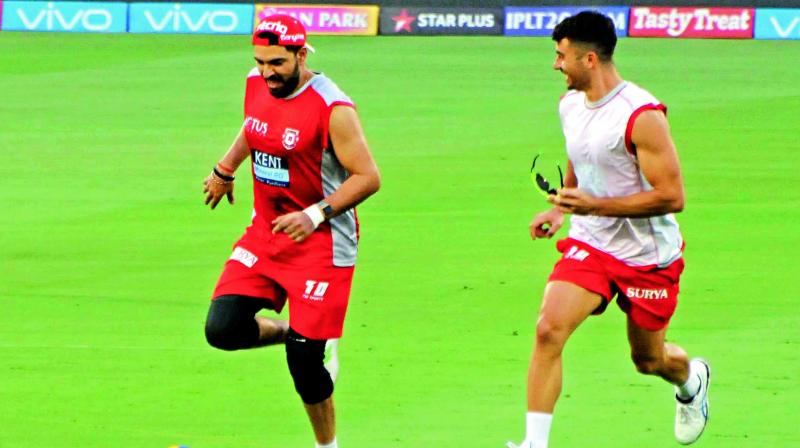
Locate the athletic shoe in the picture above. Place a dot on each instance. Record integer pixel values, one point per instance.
(332, 358)
(691, 416)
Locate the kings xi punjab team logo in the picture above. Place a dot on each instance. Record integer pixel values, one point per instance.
(290, 138)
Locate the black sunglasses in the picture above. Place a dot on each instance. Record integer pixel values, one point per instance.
(542, 183)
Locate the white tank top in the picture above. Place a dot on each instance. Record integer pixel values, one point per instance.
(598, 137)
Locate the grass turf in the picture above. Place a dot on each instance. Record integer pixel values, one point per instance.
(108, 256)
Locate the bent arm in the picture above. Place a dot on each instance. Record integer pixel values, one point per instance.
(350, 147)
(658, 162)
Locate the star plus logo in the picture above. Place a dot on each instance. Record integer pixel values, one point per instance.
(403, 21)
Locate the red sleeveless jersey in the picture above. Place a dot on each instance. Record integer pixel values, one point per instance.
(294, 166)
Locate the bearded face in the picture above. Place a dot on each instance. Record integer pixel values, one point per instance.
(570, 60)
(280, 68)
(281, 86)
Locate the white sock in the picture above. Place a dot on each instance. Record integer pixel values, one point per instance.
(328, 445)
(537, 428)
(692, 385)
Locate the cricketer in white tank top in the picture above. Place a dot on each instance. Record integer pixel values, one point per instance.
(598, 137)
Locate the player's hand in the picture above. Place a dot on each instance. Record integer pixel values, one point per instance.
(296, 224)
(215, 188)
(546, 224)
(575, 201)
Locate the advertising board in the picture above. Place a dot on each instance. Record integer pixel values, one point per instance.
(327, 19)
(540, 21)
(729, 23)
(191, 18)
(777, 24)
(90, 17)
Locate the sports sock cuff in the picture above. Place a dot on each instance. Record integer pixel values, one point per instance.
(691, 387)
(328, 445)
(537, 427)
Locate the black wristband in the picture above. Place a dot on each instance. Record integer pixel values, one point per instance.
(223, 176)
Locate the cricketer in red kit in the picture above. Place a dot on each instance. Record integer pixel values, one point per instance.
(310, 165)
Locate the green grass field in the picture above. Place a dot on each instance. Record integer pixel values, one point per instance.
(108, 256)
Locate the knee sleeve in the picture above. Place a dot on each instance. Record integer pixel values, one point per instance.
(305, 357)
(231, 323)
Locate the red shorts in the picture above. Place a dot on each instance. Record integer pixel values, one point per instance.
(647, 294)
(317, 296)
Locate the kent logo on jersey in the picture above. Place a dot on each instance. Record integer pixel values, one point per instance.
(271, 170)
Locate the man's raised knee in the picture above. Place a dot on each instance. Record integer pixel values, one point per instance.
(221, 337)
(228, 327)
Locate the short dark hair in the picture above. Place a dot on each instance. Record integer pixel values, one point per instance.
(273, 40)
(590, 28)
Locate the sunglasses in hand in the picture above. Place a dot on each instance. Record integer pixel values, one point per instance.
(544, 186)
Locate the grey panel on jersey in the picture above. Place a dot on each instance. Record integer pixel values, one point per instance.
(343, 227)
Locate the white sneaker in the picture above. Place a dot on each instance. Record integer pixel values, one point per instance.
(332, 358)
(691, 417)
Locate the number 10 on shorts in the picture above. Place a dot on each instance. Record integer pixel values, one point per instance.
(315, 290)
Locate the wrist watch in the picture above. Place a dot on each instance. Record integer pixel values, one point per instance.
(327, 210)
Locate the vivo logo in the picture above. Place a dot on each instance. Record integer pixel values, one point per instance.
(219, 21)
(777, 23)
(64, 16)
(191, 18)
(787, 31)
